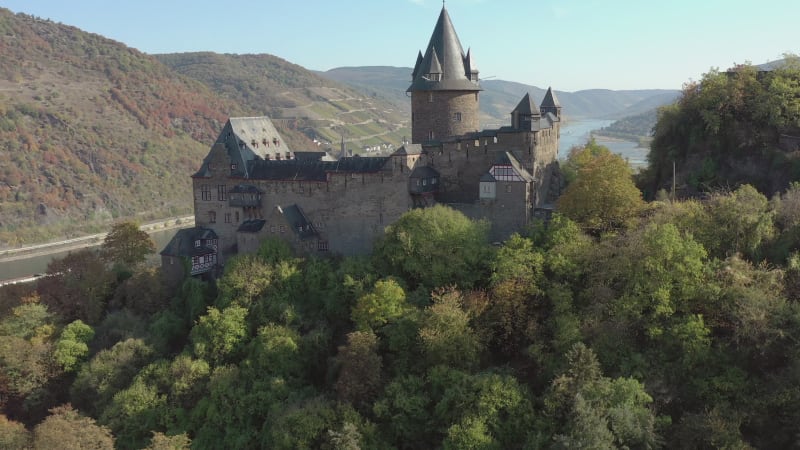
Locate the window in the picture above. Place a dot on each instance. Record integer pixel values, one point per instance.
(212, 217)
(508, 188)
(205, 192)
(322, 246)
(221, 196)
(430, 135)
(424, 182)
(272, 228)
(457, 117)
(233, 166)
(430, 97)
(433, 181)
(237, 216)
(283, 229)
(197, 243)
(227, 217)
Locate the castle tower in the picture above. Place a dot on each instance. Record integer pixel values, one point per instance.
(444, 87)
(526, 115)
(550, 104)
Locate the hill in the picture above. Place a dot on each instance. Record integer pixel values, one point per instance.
(499, 97)
(638, 127)
(318, 107)
(736, 127)
(92, 130)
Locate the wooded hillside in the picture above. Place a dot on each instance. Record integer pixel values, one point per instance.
(726, 130)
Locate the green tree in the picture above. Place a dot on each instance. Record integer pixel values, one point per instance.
(219, 334)
(446, 335)
(435, 247)
(592, 411)
(603, 196)
(73, 345)
(127, 245)
(386, 302)
(107, 373)
(162, 441)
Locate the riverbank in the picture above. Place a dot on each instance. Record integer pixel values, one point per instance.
(31, 251)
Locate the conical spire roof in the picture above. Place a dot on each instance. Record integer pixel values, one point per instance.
(444, 48)
(550, 100)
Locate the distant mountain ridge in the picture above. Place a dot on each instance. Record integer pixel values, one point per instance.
(499, 97)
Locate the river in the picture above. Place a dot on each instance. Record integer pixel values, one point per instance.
(578, 132)
(38, 264)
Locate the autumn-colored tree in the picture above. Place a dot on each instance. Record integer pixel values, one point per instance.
(67, 429)
(77, 286)
(127, 245)
(603, 196)
(13, 435)
(359, 369)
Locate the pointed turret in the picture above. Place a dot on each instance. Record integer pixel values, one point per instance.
(550, 103)
(444, 87)
(444, 46)
(471, 67)
(526, 114)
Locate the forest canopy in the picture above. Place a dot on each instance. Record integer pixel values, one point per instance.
(678, 330)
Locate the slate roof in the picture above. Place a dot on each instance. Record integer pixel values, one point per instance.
(298, 221)
(305, 156)
(251, 226)
(444, 55)
(526, 106)
(314, 170)
(424, 172)
(550, 100)
(487, 177)
(244, 138)
(182, 244)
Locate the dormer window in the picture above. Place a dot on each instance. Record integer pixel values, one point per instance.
(434, 77)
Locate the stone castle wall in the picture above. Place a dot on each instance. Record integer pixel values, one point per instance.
(349, 210)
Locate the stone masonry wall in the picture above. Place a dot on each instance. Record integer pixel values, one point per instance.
(439, 115)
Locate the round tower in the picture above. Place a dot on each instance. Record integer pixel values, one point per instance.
(444, 87)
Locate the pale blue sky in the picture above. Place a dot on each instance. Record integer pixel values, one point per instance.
(567, 44)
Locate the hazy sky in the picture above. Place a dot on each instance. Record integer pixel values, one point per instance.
(567, 44)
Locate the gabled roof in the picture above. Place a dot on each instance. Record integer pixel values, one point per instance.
(298, 221)
(444, 55)
(550, 100)
(526, 106)
(487, 177)
(251, 226)
(182, 244)
(408, 149)
(507, 159)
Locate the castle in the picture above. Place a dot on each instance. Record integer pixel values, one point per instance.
(251, 185)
